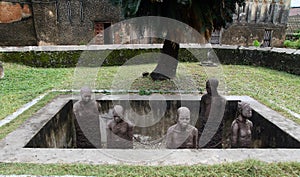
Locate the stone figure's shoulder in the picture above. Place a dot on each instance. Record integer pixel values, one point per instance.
(76, 105)
(171, 129)
(192, 128)
(248, 122)
(129, 124)
(223, 98)
(205, 97)
(111, 124)
(234, 123)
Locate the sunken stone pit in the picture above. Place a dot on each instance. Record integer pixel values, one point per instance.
(48, 136)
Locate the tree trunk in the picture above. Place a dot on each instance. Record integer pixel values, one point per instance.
(167, 63)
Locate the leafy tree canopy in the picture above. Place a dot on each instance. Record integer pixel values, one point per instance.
(202, 15)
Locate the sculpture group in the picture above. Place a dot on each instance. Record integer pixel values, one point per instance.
(207, 133)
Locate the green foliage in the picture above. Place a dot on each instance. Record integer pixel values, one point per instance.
(63, 59)
(292, 44)
(287, 43)
(59, 59)
(256, 43)
(145, 92)
(296, 35)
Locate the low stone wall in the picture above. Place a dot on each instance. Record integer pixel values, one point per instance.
(67, 56)
(281, 59)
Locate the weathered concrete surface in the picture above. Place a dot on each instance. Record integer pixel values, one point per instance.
(140, 46)
(11, 147)
(147, 157)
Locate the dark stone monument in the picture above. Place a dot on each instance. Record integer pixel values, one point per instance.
(241, 127)
(87, 123)
(119, 132)
(182, 135)
(210, 122)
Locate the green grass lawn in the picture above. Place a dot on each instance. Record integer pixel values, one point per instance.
(247, 168)
(273, 88)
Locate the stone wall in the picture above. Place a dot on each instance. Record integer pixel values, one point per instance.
(67, 56)
(275, 58)
(73, 22)
(20, 33)
(251, 20)
(244, 34)
(68, 22)
(16, 25)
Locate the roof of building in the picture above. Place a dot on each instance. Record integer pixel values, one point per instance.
(294, 11)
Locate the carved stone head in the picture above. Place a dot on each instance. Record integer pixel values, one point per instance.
(244, 109)
(184, 117)
(118, 113)
(86, 94)
(212, 85)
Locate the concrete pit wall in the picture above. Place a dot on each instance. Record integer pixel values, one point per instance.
(58, 132)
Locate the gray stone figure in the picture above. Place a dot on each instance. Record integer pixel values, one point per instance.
(1, 71)
(182, 135)
(119, 132)
(211, 117)
(87, 123)
(241, 127)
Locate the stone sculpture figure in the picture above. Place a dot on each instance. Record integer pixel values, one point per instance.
(241, 127)
(1, 71)
(119, 132)
(182, 134)
(87, 123)
(210, 121)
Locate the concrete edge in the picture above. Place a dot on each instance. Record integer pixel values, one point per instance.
(139, 46)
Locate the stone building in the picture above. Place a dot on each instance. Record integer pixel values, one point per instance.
(57, 22)
(262, 20)
(294, 20)
(65, 22)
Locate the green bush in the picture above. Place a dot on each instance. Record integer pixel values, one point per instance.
(256, 43)
(292, 44)
(63, 59)
(287, 43)
(43, 59)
